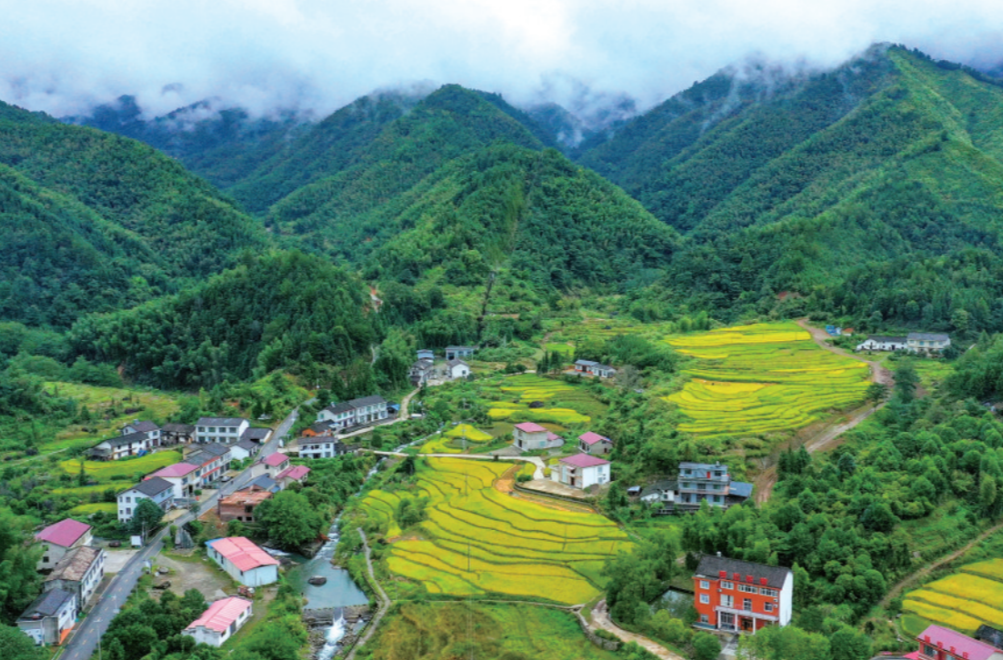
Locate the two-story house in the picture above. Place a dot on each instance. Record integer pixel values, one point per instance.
(421, 372)
(530, 436)
(460, 352)
(183, 476)
(50, 618)
(320, 446)
(241, 505)
(174, 434)
(59, 538)
(742, 596)
(112, 449)
(274, 463)
(581, 471)
(927, 342)
(159, 491)
(939, 643)
(212, 460)
(225, 430)
(595, 444)
(151, 430)
(356, 412)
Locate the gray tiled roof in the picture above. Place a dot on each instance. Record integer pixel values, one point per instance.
(48, 604)
(928, 336)
(128, 439)
(220, 421)
(337, 408)
(711, 566)
(144, 426)
(367, 401)
(152, 486)
(740, 489)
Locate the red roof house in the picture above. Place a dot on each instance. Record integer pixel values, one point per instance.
(528, 436)
(64, 533)
(174, 471)
(581, 471)
(593, 443)
(222, 619)
(939, 643)
(295, 473)
(530, 427)
(244, 561)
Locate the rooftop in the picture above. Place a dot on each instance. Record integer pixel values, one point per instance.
(48, 604)
(687, 465)
(961, 646)
(179, 428)
(740, 489)
(336, 408)
(73, 567)
(883, 339)
(175, 471)
(591, 438)
(296, 472)
(152, 486)
(255, 434)
(586, 363)
(220, 421)
(367, 401)
(243, 554)
(712, 566)
(530, 427)
(247, 445)
(64, 533)
(456, 363)
(246, 497)
(468, 348)
(264, 482)
(927, 336)
(127, 439)
(275, 460)
(584, 461)
(143, 426)
(221, 614)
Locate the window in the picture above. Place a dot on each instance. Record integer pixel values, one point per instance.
(744, 588)
(747, 604)
(768, 592)
(727, 585)
(769, 607)
(727, 601)
(704, 619)
(704, 584)
(929, 650)
(705, 599)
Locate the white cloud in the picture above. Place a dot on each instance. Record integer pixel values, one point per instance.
(65, 55)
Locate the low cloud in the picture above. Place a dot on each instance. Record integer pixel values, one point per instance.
(64, 56)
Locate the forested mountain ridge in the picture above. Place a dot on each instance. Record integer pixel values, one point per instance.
(93, 221)
(872, 191)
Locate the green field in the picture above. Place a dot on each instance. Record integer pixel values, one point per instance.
(964, 600)
(451, 442)
(89, 509)
(478, 540)
(564, 404)
(761, 379)
(436, 631)
(106, 471)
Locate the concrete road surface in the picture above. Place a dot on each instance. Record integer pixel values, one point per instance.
(84, 641)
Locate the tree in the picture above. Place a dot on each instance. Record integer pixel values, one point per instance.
(18, 646)
(783, 643)
(876, 392)
(18, 558)
(849, 644)
(906, 381)
(706, 646)
(289, 519)
(146, 517)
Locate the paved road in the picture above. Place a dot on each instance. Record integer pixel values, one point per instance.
(83, 643)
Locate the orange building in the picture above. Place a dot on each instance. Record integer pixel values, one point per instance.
(241, 505)
(742, 596)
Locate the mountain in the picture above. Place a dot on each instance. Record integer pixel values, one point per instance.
(873, 190)
(92, 221)
(220, 144)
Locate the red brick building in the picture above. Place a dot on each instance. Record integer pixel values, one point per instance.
(742, 596)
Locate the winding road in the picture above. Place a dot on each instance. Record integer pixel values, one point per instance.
(828, 436)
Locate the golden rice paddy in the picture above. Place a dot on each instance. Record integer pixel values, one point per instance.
(477, 540)
(762, 378)
(962, 601)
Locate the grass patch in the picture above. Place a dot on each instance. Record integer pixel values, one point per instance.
(97, 507)
(105, 471)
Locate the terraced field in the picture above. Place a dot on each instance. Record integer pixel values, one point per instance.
(563, 404)
(478, 540)
(106, 471)
(762, 378)
(451, 442)
(963, 601)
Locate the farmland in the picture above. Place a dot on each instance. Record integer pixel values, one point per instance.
(106, 471)
(762, 379)
(452, 441)
(964, 600)
(477, 540)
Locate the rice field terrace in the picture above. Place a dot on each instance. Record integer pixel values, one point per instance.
(478, 540)
(760, 379)
(963, 601)
(452, 441)
(126, 469)
(559, 402)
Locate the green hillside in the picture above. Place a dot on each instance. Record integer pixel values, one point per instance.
(877, 187)
(92, 221)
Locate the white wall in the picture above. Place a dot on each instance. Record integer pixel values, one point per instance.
(787, 600)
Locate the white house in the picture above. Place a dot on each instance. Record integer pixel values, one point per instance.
(595, 444)
(320, 446)
(258, 436)
(581, 471)
(79, 573)
(183, 476)
(218, 623)
(244, 449)
(660, 496)
(156, 489)
(274, 463)
(292, 474)
(50, 617)
(212, 461)
(459, 352)
(882, 343)
(365, 410)
(603, 371)
(457, 369)
(426, 354)
(151, 430)
(243, 561)
(112, 449)
(58, 539)
(591, 368)
(226, 430)
(529, 436)
(926, 342)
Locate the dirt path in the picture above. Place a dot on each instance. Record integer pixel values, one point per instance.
(926, 570)
(829, 436)
(600, 618)
(384, 604)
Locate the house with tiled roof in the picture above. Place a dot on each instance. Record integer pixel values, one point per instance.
(530, 436)
(212, 459)
(581, 471)
(244, 561)
(79, 572)
(356, 412)
(927, 342)
(742, 596)
(50, 618)
(225, 430)
(940, 643)
(244, 449)
(241, 505)
(274, 463)
(121, 446)
(157, 489)
(59, 538)
(595, 444)
(292, 474)
(218, 623)
(173, 434)
(183, 476)
(320, 447)
(151, 430)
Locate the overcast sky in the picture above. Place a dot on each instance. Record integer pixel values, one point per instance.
(62, 56)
